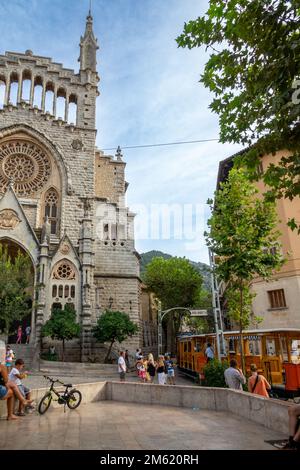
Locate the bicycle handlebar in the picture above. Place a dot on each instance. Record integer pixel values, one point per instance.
(53, 380)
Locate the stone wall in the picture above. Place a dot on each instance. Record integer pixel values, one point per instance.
(270, 413)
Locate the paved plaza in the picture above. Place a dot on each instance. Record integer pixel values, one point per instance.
(111, 425)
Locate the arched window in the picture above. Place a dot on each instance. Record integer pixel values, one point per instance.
(38, 92)
(51, 209)
(56, 306)
(61, 104)
(49, 97)
(13, 91)
(26, 86)
(72, 114)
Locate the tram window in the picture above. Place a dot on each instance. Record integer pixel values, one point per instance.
(197, 347)
(285, 356)
(184, 347)
(295, 351)
(271, 349)
(189, 347)
(231, 346)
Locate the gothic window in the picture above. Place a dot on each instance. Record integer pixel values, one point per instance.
(67, 289)
(72, 114)
(56, 305)
(24, 163)
(51, 209)
(63, 283)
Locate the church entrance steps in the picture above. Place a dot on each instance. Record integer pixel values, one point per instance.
(25, 352)
(78, 369)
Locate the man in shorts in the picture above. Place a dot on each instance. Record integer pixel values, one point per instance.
(122, 366)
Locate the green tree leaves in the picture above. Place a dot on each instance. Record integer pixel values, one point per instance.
(62, 325)
(175, 282)
(252, 69)
(244, 239)
(114, 326)
(16, 279)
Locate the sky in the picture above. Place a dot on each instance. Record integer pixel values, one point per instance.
(149, 93)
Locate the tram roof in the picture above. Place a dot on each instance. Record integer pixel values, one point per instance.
(246, 332)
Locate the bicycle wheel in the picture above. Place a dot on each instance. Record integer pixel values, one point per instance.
(45, 403)
(74, 399)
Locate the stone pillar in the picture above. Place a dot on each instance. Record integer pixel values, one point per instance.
(19, 89)
(31, 91)
(54, 102)
(43, 96)
(41, 299)
(86, 254)
(67, 108)
(7, 91)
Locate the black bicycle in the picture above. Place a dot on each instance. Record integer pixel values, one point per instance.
(70, 398)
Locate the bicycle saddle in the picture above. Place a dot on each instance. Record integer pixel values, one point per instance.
(68, 385)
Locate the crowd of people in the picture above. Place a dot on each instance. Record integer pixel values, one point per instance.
(147, 368)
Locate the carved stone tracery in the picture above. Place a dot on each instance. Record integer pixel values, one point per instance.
(24, 163)
(64, 271)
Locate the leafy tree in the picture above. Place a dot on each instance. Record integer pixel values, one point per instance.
(244, 238)
(214, 373)
(253, 72)
(198, 325)
(114, 326)
(16, 279)
(176, 283)
(62, 326)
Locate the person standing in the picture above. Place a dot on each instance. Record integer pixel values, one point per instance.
(234, 377)
(27, 331)
(9, 357)
(122, 366)
(19, 335)
(161, 371)
(151, 369)
(258, 384)
(127, 360)
(209, 353)
(170, 371)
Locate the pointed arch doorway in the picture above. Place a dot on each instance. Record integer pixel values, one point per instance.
(13, 249)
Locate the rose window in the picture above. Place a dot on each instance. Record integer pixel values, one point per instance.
(18, 168)
(25, 164)
(64, 271)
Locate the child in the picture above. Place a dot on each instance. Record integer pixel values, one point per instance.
(15, 376)
(9, 358)
(170, 371)
(141, 370)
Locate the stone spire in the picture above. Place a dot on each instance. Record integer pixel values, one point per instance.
(88, 46)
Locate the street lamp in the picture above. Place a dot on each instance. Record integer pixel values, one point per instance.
(162, 313)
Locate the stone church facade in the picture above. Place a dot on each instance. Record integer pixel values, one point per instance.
(62, 199)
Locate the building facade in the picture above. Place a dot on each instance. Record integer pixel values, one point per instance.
(277, 300)
(63, 200)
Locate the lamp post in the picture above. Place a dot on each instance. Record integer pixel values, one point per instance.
(162, 313)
